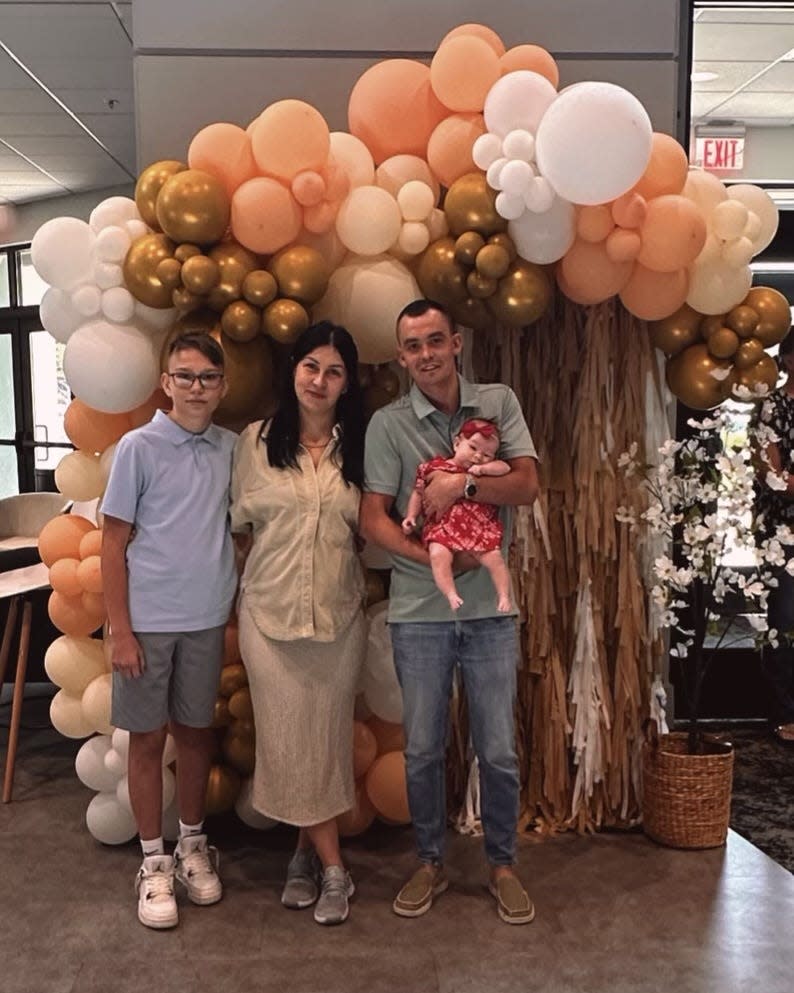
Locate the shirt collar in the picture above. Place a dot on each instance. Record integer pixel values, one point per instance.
(177, 435)
(422, 407)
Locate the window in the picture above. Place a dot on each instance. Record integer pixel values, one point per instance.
(31, 287)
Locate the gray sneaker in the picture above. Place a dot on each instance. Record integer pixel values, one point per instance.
(301, 888)
(337, 888)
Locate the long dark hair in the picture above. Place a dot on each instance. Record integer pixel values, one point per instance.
(283, 436)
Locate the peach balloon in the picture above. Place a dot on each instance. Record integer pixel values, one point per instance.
(91, 430)
(450, 146)
(143, 414)
(395, 172)
(462, 72)
(224, 151)
(352, 156)
(60, 537)
(673, 234)
(365, 748)
(393, 109)
(652, 295)
(667, 168)
(629, 211)
(91, 543)
(288, 137)
(359, 817)
(531, 57)
(387, 789)
(594, 223)
(69, 615)
(89, 574)
(589, 275)
(308, 188)
(390, 737)
(63, 577)
(265, 216)
(623, 245)
(477, 31)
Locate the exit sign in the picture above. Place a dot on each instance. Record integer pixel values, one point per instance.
(720, 154)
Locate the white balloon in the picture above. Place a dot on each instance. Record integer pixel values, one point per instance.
(518, 101)
(509, 206)
(66, 715)
(539, 196)
(108, 821)
(245, 810)
(519, 144)
(58, 314)
(354, 157)
(112, 368)
(492, 176)
(169, 751)
(118, 304)
(154, 318)
(89, 764)
(116, 765)
(486, 150)
(169, 790)
(87, 300)
(112, 244)
(546, 237)
(759, 202)
(61, 251)
(515, 177)
(171, 821)
(114, 211)
(106, 275)
(137, 228)
(599, 124)
(121, 742)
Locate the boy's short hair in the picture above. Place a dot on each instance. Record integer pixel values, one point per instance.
(479, 425)
(201, 342)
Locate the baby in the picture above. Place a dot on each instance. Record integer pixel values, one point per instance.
(467, 526)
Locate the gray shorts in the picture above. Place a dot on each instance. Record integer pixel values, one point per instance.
(179, 681)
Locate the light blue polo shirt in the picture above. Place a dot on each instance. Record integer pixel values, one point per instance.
(173, 487)
(412, 430)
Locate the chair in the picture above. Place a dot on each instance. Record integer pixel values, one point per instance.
(23, 516)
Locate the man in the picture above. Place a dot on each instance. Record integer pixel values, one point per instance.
(428, 640)
(169, 577)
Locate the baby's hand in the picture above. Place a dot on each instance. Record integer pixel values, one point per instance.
(409, 525)
(475, 470)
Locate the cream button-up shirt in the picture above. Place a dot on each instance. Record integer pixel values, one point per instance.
(303, 577)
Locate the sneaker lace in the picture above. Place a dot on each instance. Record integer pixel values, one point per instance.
(335, 884)
(158, 884)
(200, 862)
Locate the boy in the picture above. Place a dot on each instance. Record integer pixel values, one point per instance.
(169, 578)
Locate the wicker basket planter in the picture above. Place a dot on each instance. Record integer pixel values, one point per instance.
(686, 798)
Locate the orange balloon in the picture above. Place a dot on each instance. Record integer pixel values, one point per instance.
(594, 223)
(94, 606)
(623, 245)
(393, 109)
(589, 275)
(224, 151)
(673, 233)
(288, 137)
(462, 72)
(390, 737)
(63, 577)
(265, 215)
(60, 537)
(652, 295)
(667, 168)
(531, 57)
(91, 430)
(478, 31)
(629, 211)
(365, 748)
(449, 148)
(359, 817)
(387, 789)
(69, 615)
(143, 414)
(89, 574)
(91, 543)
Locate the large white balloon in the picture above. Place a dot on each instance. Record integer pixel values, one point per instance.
(108, 821)
(518, 102)
(760, 203)
(594, 142)
(112, 368)
(544, 238)
(89, 764)
(61, 251)
(59, 315)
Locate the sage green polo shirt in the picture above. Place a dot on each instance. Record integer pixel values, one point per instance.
(412, 430)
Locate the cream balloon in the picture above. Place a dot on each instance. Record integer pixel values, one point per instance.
(760, 203)
(66, 715)
(96, 703)
(72, 663)
(728, 219)
(79, 476)
(715, 287)
(353, 156)
(393, 173)
(704, 190)
(369, 220)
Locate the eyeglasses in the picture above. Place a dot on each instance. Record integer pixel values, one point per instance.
(207, 380)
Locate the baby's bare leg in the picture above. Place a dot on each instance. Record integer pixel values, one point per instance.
(441, 565)
(497, 567)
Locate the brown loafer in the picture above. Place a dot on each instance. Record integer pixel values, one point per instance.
(512, 902)
(416, 897)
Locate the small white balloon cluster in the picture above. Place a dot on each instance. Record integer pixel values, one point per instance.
(510, 167)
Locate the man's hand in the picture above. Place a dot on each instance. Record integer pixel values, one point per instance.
(126, 655)
(441, 491)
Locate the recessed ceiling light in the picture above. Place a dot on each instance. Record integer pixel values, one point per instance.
(704, 77)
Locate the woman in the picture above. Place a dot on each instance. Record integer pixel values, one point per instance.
(296, 485)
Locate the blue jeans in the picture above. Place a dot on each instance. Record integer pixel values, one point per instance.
(425, 655)
(778, 663)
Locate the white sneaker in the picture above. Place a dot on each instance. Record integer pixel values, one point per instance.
(196, 867)
(154, 885)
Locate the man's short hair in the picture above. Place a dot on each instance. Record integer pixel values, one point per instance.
(418, 307)
(201, 342)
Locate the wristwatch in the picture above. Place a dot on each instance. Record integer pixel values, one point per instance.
(469, 487)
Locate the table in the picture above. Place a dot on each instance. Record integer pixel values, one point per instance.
(18, 584)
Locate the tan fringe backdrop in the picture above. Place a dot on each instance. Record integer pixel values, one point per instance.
(581, 375)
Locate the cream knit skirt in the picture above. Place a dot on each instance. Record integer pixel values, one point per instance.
(303, 693)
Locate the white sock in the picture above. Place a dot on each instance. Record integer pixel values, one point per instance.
(152, 846)
(189, 830)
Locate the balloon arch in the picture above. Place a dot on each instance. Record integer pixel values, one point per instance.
(552, 222)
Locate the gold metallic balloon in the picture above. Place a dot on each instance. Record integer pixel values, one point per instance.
(773, 312)
(186, 251)
(149, 184)
(301, 272)
(473, 313)
(240, 705)
(284, 320)
(521, 296)
(723, 343)
(492, 261)
(467, 246)
(440, 276)
(241, 321)
(169, 272)
(470, 205)
(689, 377)
(239, 752)
(221, 717)
(259, 288)
(376, 591)
(183, 299)
(748, 353)
(140, 270)
(675, 333)
(223, 785)
(479, 286)
(765, 372)
(200, 274)
(249, 377)
(234, 262)
(710, 324)
(743, 320)
(193, 206)
(387, 380)
(503, 240)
